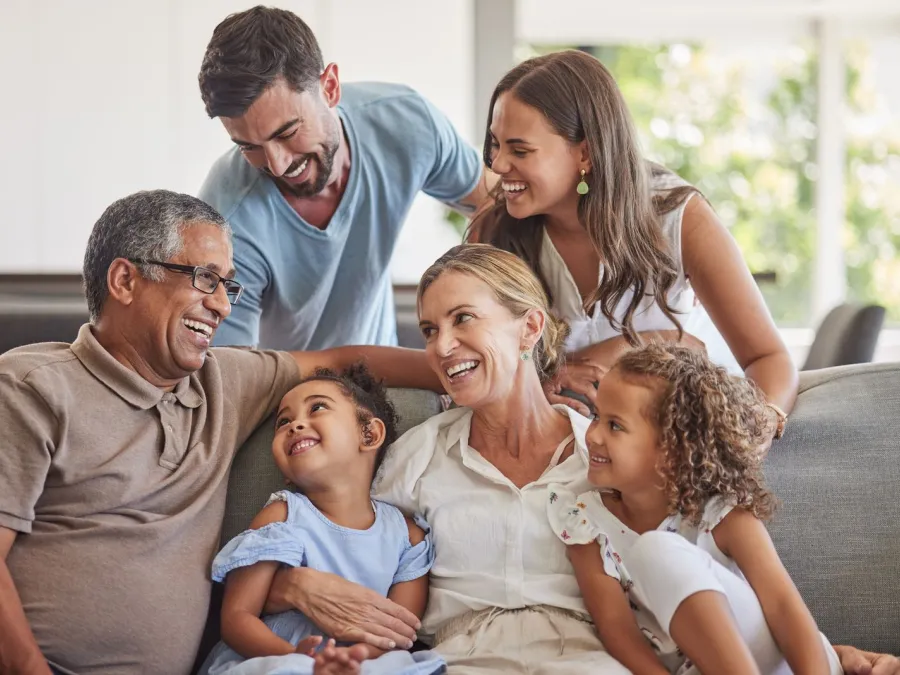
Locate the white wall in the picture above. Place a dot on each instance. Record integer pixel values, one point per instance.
(100, 99)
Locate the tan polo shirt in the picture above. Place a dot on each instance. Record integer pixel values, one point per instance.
(118, 490)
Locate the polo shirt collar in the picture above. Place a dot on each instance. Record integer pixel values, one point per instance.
(126, 383)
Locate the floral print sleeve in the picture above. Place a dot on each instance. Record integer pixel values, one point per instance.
(573, 519)
(713, 513)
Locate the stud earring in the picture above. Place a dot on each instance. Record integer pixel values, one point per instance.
(582, 188)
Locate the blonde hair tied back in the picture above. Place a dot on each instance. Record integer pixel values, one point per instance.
(516, 288)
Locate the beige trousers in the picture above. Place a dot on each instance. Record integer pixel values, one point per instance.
(537, 640)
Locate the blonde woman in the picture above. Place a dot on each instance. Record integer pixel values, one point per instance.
(503, 595)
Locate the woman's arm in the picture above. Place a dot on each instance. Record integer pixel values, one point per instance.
(586, 367)
(723, 284)
(413, 595)
(743, 538)
(246, 589)
(612, 615)
(346, 611)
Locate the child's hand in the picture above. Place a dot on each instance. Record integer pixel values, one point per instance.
(340, 660)
(308, 645)
(856, 662)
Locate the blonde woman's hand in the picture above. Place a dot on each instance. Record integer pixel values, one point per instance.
(857, 662)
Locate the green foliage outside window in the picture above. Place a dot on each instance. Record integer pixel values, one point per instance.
(749, 143)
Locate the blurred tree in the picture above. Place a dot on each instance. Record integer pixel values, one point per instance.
(741, 126)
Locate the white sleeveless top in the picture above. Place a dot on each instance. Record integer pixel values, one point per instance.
(591, 329)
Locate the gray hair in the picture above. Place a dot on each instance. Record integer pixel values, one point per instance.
(145, 225)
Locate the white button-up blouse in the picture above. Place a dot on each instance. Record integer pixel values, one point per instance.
(493, 542)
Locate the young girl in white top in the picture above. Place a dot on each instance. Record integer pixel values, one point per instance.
(670, 552)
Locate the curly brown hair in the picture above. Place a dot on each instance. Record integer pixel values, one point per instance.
(712, 426)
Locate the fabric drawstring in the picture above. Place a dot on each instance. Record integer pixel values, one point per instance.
(478, 623)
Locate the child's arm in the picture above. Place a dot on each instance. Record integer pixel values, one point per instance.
(246, 589)
(411, 595)
(743, 538)
(611, 612)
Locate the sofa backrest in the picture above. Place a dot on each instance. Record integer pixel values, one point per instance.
(836, 471)
(837, 474)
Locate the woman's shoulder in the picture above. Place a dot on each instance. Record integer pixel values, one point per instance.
(663, 179)
(579, 424)
(409, 457)
(429, 431)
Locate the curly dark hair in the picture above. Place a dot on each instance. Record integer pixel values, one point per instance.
(370, 397)
(712, 425)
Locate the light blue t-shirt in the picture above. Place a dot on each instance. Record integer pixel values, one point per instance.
(306, 288)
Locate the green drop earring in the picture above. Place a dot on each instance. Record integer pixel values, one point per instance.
(582, 188)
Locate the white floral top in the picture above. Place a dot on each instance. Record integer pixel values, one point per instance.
(583, 518)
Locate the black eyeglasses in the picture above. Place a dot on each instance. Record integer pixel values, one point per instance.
(203, 279)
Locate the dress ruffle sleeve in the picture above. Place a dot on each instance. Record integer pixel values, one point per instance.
(417, 559)
(274, 542)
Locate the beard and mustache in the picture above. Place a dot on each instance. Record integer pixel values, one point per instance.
(324, 160)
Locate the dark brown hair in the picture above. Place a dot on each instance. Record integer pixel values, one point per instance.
(711, 424)
(580, 100)
(249, 51)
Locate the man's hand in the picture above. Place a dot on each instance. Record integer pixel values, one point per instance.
(343, 610)
(857, 662)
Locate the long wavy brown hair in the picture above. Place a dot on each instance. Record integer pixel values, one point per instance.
(712, 426)
(581, 101)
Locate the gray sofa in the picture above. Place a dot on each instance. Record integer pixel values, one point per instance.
(836, 471)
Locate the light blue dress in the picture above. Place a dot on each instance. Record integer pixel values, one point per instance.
(376, 558)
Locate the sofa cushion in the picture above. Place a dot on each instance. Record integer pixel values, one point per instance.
(254, 475)
(837, 474)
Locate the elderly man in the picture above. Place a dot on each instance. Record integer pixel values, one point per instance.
(116, 449)
(319, 183)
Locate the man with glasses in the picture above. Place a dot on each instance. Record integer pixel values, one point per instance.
(319, 183)
(115, 450)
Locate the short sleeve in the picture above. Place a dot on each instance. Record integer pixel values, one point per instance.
(713, 513)
(29, 428)
(571, 521)
(457, 165)
(241, 328)
(254, 382)
(275, 542)
(568, 517)
(416, 560)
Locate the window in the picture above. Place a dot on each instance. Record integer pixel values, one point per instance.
(739, 121)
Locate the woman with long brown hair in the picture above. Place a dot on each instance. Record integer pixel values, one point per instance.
(626, 250)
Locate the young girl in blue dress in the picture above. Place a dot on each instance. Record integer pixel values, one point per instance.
(331, 434)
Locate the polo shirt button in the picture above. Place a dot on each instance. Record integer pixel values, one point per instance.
(169, 428)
